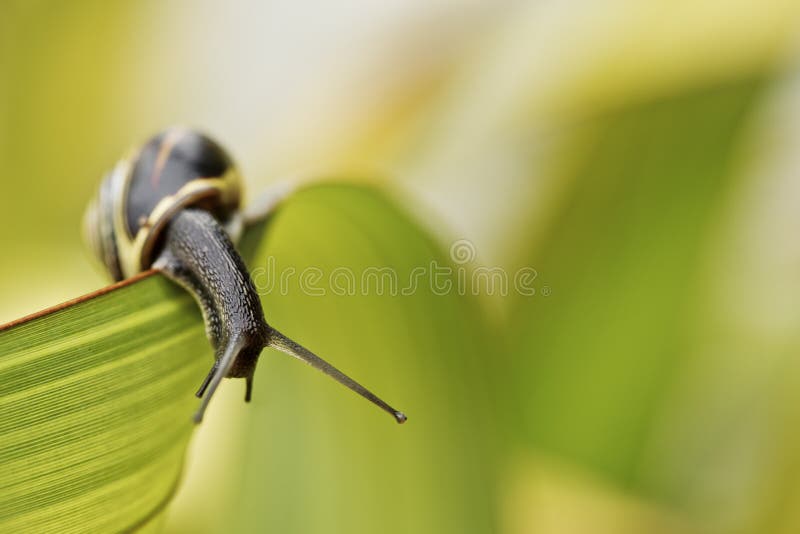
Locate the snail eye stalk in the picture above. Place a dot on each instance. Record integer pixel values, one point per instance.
(294, 349)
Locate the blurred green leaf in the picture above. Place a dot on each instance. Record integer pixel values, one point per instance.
(593, 364)
(318, 459)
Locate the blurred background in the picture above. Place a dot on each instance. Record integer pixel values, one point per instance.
(640, 156)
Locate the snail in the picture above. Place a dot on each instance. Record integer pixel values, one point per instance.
(174, 205)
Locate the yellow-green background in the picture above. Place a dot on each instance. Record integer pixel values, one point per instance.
(641, 156)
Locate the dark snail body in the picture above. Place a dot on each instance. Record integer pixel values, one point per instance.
(199, 255)
(174, 206)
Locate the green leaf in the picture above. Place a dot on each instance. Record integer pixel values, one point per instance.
(319, 459)
(94, 409)
(593, 365)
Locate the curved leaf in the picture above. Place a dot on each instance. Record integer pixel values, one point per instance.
(95, 400)
(315, 457)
